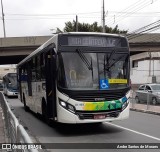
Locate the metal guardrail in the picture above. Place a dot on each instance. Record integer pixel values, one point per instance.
(15, 132)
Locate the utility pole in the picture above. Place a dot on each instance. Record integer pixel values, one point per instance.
(103, 17)
(3, 19)
(76, 23)
(149, 63)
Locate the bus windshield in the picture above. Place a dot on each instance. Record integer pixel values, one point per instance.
(12, 81)
(82, 70)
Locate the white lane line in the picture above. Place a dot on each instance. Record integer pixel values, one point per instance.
(149, 136)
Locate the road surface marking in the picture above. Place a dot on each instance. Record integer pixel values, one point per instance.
(133, 131)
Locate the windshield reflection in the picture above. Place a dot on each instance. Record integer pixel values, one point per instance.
(79, 70)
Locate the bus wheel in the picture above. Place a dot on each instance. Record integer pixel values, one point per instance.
(25, 106)
(45, 114)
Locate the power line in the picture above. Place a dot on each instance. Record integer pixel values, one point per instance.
(130, 8)
(68, 16)
(11, 14)
(133, 9)
(148, 28)
(139, 13)
(144, 27)
(89, 13)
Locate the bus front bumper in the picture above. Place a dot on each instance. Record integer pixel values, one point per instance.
(65, 116)
(10, 93)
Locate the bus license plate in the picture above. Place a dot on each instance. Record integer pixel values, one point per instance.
(99, 116)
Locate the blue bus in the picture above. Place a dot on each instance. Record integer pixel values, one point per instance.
(10, 87)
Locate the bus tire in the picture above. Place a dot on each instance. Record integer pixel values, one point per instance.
(24, 102)
(45, 114)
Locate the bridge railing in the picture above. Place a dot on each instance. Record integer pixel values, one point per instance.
(15, 132)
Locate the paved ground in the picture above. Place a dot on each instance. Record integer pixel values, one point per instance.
(2, 133)
(137, 107)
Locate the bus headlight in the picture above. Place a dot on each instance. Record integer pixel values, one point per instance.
(67, 106)
(62, 103)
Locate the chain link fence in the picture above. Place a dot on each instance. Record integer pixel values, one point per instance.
(16, 134)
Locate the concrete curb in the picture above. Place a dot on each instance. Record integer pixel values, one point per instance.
(145, 111)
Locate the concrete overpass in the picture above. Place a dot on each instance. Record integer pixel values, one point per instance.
(14, 49)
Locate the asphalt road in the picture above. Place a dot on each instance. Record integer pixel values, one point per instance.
(138, 129)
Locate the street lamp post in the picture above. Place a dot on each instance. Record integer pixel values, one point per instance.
(3, 19)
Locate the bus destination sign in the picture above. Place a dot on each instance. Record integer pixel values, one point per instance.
(94, 41)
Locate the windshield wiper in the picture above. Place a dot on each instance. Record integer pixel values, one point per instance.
(109, 64)
(85, 60)
(116, 61)
(107, 60)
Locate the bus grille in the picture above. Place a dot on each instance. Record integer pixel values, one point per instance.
(103, 96)
(83, 115)
(95, 95)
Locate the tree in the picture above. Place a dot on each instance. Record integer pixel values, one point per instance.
(70, 26)
(85, 27)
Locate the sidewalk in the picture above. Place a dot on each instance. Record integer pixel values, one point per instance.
(2, 127)
(3, 134)
(145, 108)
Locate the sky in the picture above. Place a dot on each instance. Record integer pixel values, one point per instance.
(42, 17)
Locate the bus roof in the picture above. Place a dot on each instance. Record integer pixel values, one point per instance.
(55, 37)
(10, 73)
(93, 33)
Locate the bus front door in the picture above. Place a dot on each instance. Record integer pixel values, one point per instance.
(50, 84)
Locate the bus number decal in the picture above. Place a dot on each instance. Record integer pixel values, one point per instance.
(109, 105)
(123, 81)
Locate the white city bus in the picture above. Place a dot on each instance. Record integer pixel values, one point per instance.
(77, 78)
(10, 87)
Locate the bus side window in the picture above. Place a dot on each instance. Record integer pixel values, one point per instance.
(38, 68)
(29, 79)
(42, 63)
(33, 67)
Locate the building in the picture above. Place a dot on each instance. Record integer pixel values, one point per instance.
(145, 68)
(7, 69)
